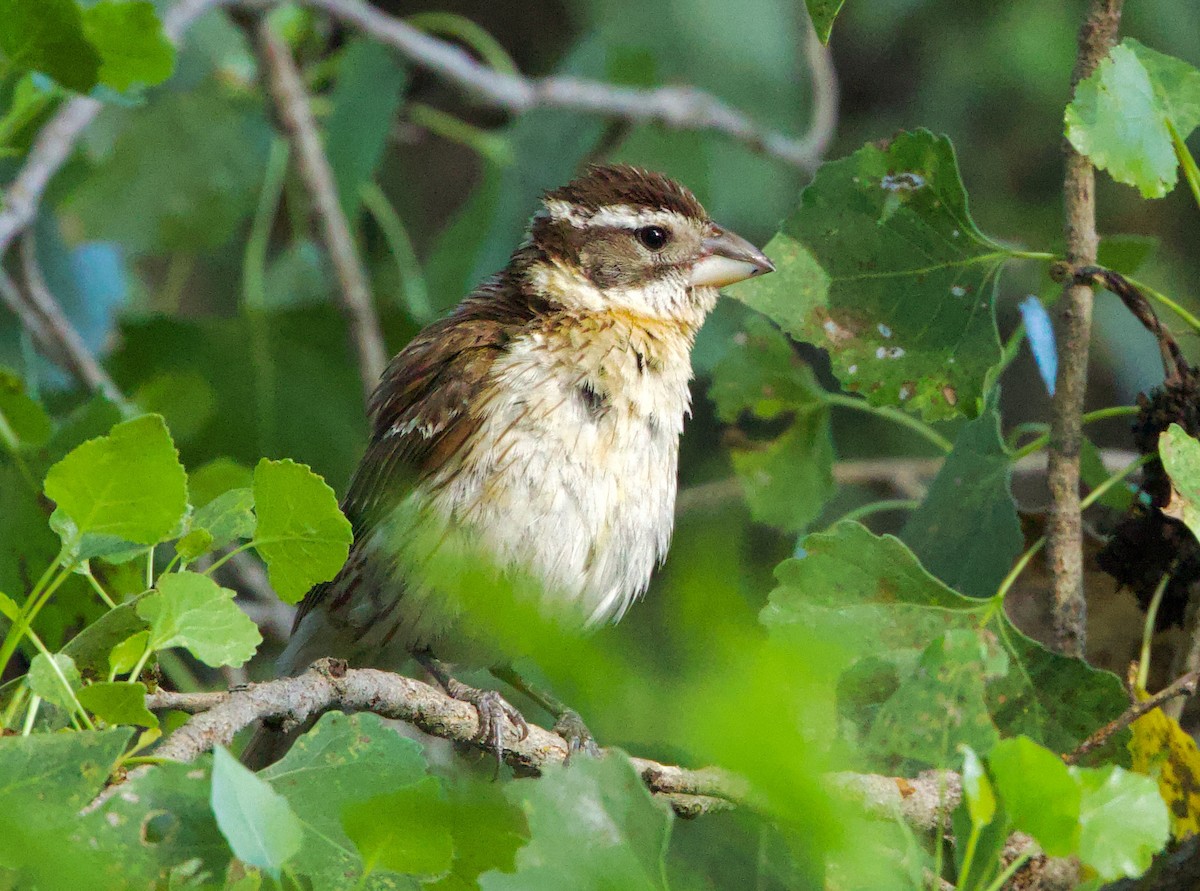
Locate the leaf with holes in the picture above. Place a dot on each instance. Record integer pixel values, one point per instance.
(871, 595)
(882, 265)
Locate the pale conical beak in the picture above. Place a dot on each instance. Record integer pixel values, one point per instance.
(728, 258)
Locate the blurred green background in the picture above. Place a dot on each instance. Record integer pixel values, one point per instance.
(185, 253)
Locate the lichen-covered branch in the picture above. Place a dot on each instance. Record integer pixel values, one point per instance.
(1064, 530)
(329, 686)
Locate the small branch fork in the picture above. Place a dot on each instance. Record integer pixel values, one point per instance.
(1064, 529)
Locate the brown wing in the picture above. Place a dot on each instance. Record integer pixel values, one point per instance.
(427, 403)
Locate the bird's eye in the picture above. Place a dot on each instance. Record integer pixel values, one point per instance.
(653, 237)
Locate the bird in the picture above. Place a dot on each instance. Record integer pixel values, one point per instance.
(539, 421)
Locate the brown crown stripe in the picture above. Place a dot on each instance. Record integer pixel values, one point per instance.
(602, 186)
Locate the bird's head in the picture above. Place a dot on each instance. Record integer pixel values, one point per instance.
(623, 239)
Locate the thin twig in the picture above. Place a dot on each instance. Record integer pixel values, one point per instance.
(30, 321)
(295, 115)
(1064, 528)
(682, 107)
(1184, 686)
(329, 685)
(73, 353)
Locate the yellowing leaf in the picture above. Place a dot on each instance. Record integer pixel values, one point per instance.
(1162, 749)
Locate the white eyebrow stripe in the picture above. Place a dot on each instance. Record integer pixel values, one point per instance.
(617, 216)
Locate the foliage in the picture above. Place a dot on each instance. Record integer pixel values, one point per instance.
(179, 239)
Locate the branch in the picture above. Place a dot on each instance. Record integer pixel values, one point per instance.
(1064, 529)
(56, 140)
(681, 108)
(71, 352)
(329, 686)
(1184, 686)
(295, 114)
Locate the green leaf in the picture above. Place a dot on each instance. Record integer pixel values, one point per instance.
(939, 706)
(227, 517)
(125, 655)
(47, 36)
(977, 790)
(92, 648)
(301, 533)
(161, 820)
(882, 265)
(45, 781)
(341, 761)
(789, 478)
(130, 40)
(870, 595)
(192, 611)
(118, 702)
(966, 531)
(55, 682)
(128, 485)
(1040, 795)
(823, 12)
(21, 416)
(406, 831)
(151, 197)
(183, 398)
(1180, 456)
(1122, 113)
(195, 543)
(592, 825)
(1123, 821)
(257, 821)
(365, 100)
(1093, 473)
(216, 478)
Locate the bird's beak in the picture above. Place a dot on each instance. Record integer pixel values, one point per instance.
(728, 258)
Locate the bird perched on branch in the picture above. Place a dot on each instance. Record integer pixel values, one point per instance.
(539, 423)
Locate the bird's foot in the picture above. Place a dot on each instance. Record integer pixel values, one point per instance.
(576, 734)
(493, 711)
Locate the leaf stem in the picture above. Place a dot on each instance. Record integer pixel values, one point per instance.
(878, 507)
(1033, 255)
(1011, 870)
(29, 611)
(969, 856)
(1186, 161)
(87, 574)
(217, 564)
(412, 280)
(1143, 675)
(150, 567)
(892, 414)
(1092, 498)
(1100, 414)
(1166, 301)
(31, 715)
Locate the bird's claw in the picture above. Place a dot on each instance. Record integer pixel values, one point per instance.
(493, 711)
(576, 735)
